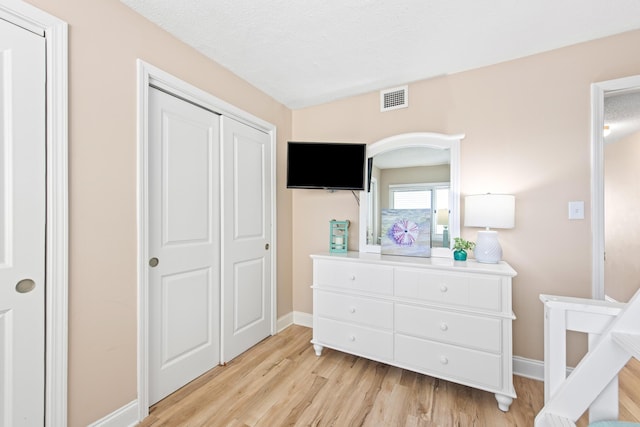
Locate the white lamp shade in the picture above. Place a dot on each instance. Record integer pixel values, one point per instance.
(489, 210)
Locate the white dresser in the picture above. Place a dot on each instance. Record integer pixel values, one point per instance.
(446, 319)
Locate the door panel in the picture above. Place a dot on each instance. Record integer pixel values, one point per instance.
(248, 294)
(189, 289)
(249, 186)
(246, 231)
(22, 226)
(186, 179)
(184, 237)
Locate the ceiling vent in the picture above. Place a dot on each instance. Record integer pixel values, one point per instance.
(394, 98)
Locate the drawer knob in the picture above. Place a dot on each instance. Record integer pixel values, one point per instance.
(444, 360)
(444, 326)
(352, 310)
(352, 277)
(352, 338)
(443, 288)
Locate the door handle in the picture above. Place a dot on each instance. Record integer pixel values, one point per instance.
(25, 285)
(266, 247)
(153, 262)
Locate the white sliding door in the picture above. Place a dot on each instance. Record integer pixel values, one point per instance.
(184, 264)
(246, 232)
(22, 226)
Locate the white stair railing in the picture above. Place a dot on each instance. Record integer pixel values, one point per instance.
(614, 337)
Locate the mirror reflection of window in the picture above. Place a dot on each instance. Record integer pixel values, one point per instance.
(410, 198)
(422, 196)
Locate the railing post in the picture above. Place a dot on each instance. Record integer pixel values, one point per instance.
(555, 349)
(582, 315)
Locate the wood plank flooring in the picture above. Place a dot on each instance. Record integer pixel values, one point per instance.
(281, 382)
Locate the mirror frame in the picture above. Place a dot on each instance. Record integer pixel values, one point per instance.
(598, 91)
(427, 140)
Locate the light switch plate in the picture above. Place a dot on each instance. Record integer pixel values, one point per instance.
(576, 210)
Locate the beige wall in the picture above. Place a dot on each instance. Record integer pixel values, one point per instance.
(105, 39)
(527, 126)
(621, 207)
(527, 133)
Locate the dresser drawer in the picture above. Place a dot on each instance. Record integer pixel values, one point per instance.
(482, 333)
(467, 366)
(468, 290)
(354, 276)
(353, 338)
(365, 311)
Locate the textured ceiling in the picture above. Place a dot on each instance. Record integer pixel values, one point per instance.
(621, 114)
(306, 52)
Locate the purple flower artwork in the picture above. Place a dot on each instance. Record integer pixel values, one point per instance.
(406, 232)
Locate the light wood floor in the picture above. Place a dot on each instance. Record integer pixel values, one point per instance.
(281, 382)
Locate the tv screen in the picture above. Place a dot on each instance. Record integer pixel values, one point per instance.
(326, 165)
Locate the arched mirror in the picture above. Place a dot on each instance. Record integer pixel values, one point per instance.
(615, 199)
(413, 170)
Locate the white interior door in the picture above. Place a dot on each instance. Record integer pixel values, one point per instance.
(246, 234)
(22, 226)
(184, 265)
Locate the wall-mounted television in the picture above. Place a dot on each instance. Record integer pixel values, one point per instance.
(326, 165)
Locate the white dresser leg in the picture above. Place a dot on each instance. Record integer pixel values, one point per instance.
(503, 402)
(318, 349)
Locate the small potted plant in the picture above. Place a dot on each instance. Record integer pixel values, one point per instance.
(460, 248)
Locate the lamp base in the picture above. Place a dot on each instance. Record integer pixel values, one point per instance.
(488, 249)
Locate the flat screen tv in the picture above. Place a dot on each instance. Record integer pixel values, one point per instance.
(326, 165)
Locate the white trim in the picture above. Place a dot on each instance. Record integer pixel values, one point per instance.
(284, 322)
(142, 201)
(610, 299)
(598, 91)
(150, 75)
(295, 318)
(597, 191)
(531, 368)
(528, 368)
(303, 319)
(121, 417)
(55, 32)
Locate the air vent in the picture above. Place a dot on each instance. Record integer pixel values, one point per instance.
(394, 98)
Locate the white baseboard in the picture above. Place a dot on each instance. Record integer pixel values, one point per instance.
(303, 319)
(608, 298)
(528, 368)
(284, 322)
(294, 318)
(127, 416)
(531, 368)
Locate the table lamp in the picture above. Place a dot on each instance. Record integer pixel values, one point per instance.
(442, 218)
(489, 211)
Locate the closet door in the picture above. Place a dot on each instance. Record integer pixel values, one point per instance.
(184, 223)
(246, 233)
(22, 226)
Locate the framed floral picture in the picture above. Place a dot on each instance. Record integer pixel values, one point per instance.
(406, 232)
